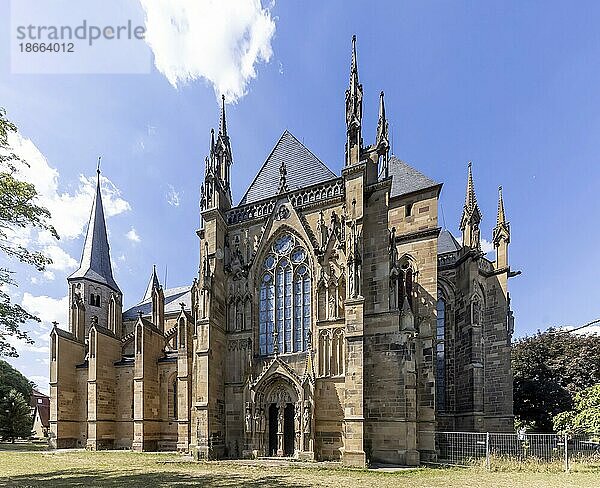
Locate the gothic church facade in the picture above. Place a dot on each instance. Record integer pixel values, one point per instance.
(331, 319)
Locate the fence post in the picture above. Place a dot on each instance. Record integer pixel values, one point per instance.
(565, 440)
(487, 450)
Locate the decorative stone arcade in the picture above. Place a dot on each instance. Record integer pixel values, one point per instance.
(279, 416)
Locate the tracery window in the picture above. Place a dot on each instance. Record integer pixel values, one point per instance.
(440, 370)
(285, 298)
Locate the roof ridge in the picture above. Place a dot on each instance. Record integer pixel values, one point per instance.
(286, 147)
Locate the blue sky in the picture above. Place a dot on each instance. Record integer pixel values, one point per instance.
(511, 86)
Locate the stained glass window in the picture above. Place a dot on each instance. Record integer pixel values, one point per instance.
(285, 298)
(440, 370)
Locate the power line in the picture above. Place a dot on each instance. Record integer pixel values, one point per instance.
(568, 331)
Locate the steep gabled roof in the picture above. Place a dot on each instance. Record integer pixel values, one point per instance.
(447, 242)
(95, 260)
(303, 169)
(173, 297)
(406, 179)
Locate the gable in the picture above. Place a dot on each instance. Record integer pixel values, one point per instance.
(303, 169)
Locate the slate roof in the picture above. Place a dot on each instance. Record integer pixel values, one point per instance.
(447, 242)
(406, 179)
(95, 260)
(303, 169)
(173, 297)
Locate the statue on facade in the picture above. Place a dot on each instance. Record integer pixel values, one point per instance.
(322, 230)
(332, 314)
(248, 418)
(306, 418)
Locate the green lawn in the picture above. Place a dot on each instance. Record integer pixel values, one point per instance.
(128, 469)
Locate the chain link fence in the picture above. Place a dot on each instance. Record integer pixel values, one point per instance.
(468, 448)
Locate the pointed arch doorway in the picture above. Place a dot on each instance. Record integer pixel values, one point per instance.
(282, 434)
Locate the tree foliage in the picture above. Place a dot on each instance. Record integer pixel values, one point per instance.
(549, 369)
(15, 416)
(18, 210)
(12, 379)
(585, 417)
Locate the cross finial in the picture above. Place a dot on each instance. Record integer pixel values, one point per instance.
(98, 167)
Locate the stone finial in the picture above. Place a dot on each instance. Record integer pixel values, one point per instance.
(283, 188)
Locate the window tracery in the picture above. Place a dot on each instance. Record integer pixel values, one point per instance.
(284, 298)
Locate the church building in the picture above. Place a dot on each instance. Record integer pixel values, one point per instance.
(331, 318)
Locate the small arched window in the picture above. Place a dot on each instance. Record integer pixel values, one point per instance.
(53, 347)
(138, 340)
(175, 398)
(285, 298)
(182, 332)
(93, 344)
(476, 310)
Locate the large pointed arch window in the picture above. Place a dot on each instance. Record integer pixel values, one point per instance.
(440, 370)
(284, 298)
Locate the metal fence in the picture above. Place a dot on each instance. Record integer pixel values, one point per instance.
(467, 448)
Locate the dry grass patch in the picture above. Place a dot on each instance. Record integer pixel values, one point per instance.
(117, 469)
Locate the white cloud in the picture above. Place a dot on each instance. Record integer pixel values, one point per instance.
(486, 246)
(61, 261)
(591, 330)
(42, 382)
(220, 41)
(133, 236)
(47, 308)
(70, 211)
(173, 197)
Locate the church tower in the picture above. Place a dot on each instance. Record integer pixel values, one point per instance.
(208, 417)
(93, 292)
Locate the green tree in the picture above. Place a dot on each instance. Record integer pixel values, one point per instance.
(18, 210)
(585, 417)
(10, 379)
(15, 416)
(549, 369)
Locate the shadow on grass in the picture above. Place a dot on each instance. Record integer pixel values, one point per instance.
(87, 478)
(24, 446)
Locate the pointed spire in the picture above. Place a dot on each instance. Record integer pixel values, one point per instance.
(223, 122)
(153, 284)
(501, 220)
(471, 216)
(212, 142)
(502, 230)
(382, 140)
(470, 198)
(353, 65)
(354, 95)
(95, 262)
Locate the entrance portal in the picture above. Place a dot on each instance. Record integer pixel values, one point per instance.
(273, 411)
(288, 430)
(281, 443)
